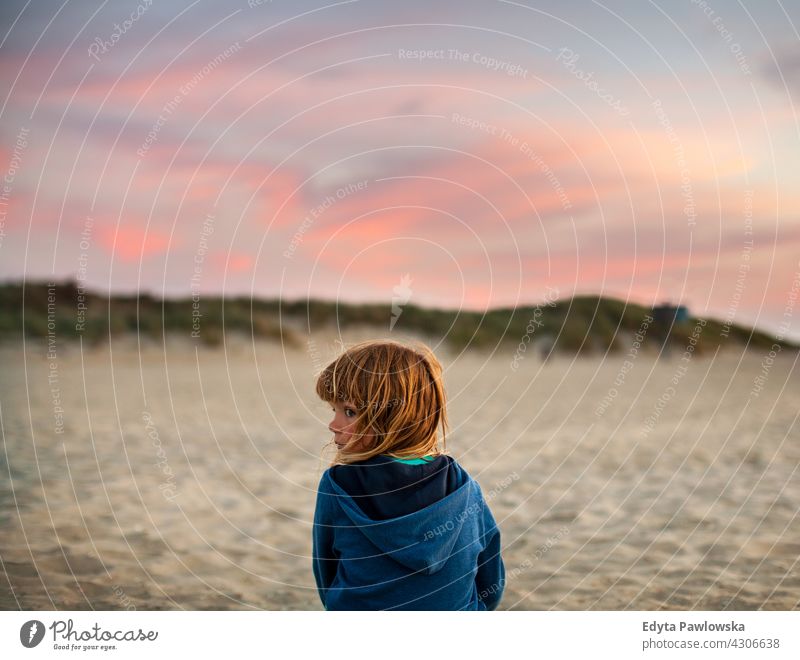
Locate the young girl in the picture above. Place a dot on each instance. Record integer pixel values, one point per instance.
(399, 524)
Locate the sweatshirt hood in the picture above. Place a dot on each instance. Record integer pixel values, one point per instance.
(423, 540)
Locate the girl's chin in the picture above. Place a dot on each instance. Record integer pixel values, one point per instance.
(345, 448)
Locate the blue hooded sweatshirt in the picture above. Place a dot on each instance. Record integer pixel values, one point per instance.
(415, 534)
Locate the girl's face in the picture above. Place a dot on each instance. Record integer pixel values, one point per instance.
(343, 426)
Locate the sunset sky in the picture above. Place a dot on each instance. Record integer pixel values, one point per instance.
(642, 150)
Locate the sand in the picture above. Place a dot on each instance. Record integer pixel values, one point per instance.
(184, 477)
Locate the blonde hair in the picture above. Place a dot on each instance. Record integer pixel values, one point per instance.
(399, 396)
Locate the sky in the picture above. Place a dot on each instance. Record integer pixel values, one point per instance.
(469, 155)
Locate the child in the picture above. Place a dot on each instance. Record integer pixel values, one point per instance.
(399, 524)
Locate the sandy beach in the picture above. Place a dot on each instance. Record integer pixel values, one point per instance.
(183, 477)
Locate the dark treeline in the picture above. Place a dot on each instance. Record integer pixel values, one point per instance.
(581, 324)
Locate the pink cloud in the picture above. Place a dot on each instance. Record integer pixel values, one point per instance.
(234, 262)
(132, 242)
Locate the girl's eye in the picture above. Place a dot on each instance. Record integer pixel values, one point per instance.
(349, 412)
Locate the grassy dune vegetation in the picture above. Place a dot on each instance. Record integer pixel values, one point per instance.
(584, 324)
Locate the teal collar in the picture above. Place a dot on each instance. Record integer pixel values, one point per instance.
(414, 461)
